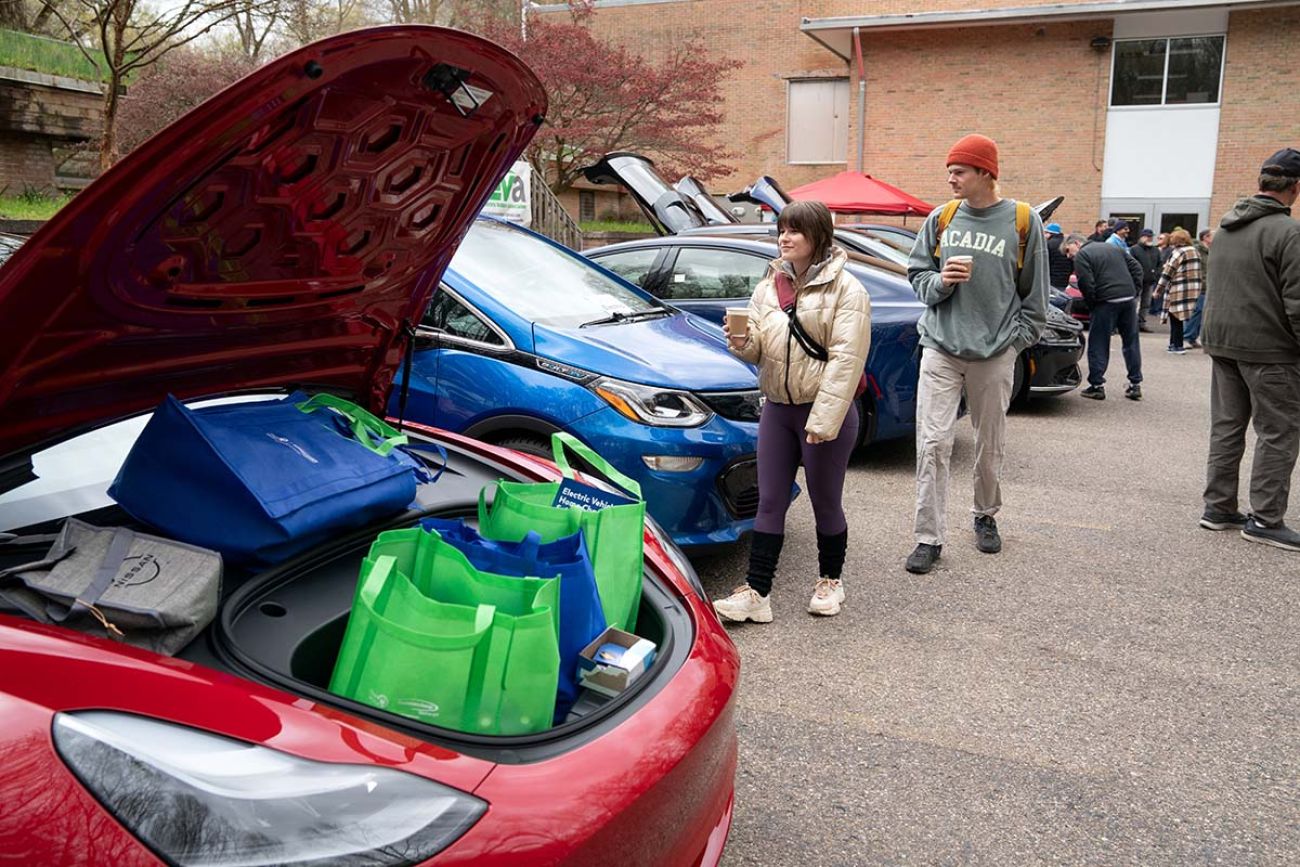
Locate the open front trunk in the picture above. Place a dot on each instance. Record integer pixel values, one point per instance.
(285, 627)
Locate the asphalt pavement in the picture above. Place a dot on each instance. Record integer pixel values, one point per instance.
(1118, 686)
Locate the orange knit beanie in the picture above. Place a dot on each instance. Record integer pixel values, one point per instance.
(975, 150)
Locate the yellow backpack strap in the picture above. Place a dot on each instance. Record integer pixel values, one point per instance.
(945, 217)
(1022, 229)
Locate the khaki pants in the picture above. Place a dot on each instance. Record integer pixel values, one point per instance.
(988, 386)
(1269, 396)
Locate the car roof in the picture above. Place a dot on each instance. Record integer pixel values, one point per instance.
(726, 236)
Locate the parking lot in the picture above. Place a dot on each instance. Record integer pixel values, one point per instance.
(1117, 687)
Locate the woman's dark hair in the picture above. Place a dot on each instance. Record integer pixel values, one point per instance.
(813, 221)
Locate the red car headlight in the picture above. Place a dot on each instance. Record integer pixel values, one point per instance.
(201, 799)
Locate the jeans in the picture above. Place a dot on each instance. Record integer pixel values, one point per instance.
(1192, 327)
(1269, 396)
(1144, 305)
(1105, 316)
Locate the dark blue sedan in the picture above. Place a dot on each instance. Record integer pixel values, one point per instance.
(705, 274)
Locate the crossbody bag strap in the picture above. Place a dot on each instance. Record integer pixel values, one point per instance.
(785, 296)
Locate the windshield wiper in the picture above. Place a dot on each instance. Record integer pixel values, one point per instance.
(629, 317)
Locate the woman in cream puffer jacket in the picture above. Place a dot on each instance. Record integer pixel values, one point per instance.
(809, 414)
(835, 312)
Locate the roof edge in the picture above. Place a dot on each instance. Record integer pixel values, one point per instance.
(1023, 14)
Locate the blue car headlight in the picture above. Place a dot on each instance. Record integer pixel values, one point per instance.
(201, 799)
(650, 404)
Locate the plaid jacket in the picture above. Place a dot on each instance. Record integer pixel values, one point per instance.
(1181, 283)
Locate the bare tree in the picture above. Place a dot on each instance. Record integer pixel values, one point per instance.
(254, 22)
(131, 37)
(308, 20)
(30, 16)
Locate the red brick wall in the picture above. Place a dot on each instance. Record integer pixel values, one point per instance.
(1261, 91)
(1039, 91)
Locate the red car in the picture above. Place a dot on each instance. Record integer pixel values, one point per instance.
(285, 234)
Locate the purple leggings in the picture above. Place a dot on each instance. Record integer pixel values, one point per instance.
(782, 446)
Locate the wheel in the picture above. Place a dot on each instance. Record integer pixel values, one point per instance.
(866, 422)
(1020, 385)
(528, 444)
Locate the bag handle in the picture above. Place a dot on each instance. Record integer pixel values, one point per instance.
(363, 423)
(384, 570)
(561, 441)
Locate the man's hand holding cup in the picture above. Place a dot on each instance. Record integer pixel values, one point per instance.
(957, 269)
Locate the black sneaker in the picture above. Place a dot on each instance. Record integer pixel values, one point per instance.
(1094, 392)
(1280, 536)
(922, 560)
(1222, 520)
(986, 534)
(1133, 392)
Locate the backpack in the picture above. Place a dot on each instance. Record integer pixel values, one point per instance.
(1022, 229)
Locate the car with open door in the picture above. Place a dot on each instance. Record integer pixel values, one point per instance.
(285, 235)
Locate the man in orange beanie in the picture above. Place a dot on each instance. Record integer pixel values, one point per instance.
(984, 286)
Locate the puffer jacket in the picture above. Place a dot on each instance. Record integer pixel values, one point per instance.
(835, 310)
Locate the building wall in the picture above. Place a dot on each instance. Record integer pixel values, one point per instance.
(1261, 96)
(40, 116)
(1039, 89)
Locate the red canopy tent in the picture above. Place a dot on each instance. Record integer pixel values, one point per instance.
(859, 193)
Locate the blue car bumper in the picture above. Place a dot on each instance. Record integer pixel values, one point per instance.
(712, 504)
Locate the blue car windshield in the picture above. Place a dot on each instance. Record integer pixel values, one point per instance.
(540, 282)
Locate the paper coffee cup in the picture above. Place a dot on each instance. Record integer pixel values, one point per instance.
(967, 261)
(738, 321)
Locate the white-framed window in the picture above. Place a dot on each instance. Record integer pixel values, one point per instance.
(817, 120)
(1181, 70)
(586, 205)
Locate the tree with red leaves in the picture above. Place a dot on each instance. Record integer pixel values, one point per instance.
(604, 98)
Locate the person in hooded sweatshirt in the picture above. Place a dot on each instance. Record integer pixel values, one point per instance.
(1252, 334)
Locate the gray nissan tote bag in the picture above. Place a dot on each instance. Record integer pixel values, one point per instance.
(112, 582)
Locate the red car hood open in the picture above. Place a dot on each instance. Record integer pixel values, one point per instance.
(280, 234)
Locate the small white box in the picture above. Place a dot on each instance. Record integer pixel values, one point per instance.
(613, 661)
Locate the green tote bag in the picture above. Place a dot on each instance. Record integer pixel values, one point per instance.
(614, 535)
(503, 675)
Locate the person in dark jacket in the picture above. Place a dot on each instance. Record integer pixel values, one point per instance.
(1099, 231)
(1252, 335)
(1148, 256)
(1192, 330)
(1109, 279)
(1059, 265)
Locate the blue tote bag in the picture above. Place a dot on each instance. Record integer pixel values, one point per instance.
(582, 619)
(264, 480)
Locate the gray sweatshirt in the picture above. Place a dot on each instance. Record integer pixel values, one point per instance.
(983, 316)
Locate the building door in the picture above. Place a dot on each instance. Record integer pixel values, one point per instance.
(1137, 221)
(1170, 220)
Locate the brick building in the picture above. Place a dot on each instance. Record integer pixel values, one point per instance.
(1159, 110)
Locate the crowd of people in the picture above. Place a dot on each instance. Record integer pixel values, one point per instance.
(982, 265)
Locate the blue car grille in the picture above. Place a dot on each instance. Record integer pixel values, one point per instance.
(738, 485)
(734, 405)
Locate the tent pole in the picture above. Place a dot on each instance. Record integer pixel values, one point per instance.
(862, 103)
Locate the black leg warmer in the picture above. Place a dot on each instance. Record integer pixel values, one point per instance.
(830, 554)
(764, 551)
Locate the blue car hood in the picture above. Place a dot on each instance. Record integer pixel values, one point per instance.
(679, 351)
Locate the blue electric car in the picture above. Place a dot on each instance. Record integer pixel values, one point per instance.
(526, 337)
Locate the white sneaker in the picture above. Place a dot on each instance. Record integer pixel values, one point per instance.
(743, 604)
(828, 596)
